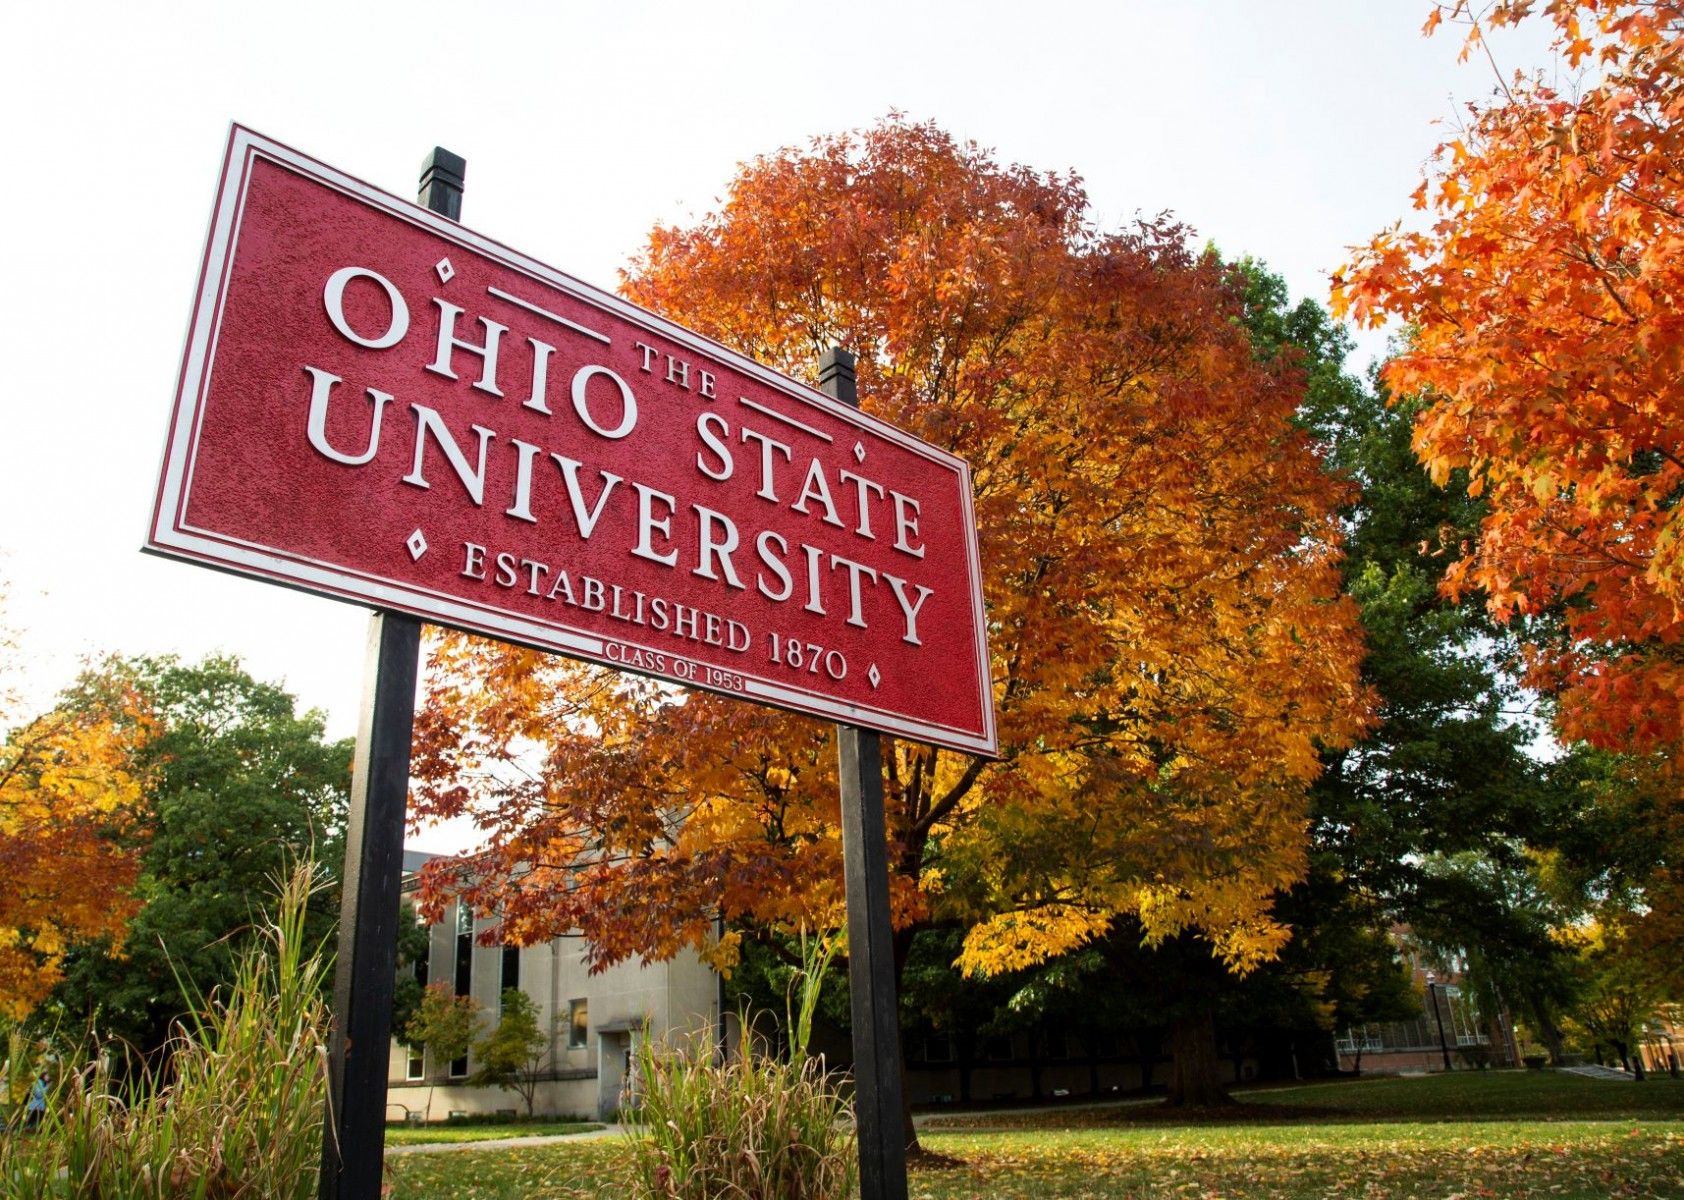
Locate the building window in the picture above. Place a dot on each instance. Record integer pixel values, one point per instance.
(416, 1065)
(1056, 1044)
(997, 1049)
(1366, 1039)
(938, 1048)
(464, 948)
(1464, 1018)
(578, 1023)
(511, 969)
(420, 964)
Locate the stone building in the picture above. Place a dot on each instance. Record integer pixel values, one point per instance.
(594, 1022)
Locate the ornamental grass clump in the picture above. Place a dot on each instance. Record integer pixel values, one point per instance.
(233, 1112)
(751, 1127)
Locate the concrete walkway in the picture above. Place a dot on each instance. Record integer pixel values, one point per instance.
(1592, 1071)
(549, 1139)
(962, 1120)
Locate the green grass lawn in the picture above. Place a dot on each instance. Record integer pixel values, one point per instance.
(1484, 1095)
(413, 1135)
(1458, 1096)
(1469, 1135)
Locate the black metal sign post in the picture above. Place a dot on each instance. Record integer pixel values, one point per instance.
(359, 1052)
(871, 956)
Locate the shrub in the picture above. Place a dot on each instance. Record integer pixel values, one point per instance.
(1477, 1056)
(235, 1110)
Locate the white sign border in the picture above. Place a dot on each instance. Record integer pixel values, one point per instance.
(168, 535)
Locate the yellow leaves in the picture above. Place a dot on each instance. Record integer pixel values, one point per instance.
(724, 954)
(68, 791)
(1011, 941)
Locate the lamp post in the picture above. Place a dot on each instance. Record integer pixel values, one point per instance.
(1438, 1016)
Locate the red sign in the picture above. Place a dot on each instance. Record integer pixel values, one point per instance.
(379, 405)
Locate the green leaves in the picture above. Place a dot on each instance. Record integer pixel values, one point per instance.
(513, 1052)
(240, 785)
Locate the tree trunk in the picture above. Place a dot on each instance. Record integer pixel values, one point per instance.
(1195, 1078)
(1550, 1032)
(909, 1131)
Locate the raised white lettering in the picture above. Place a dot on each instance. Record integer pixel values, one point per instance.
(767, 445)
(909, 609)
(473, 478)
(586, 521)
(775, 564)
(321, 390)
(906, 522)
(855, 570)
(815, 488)
(448, 342)
(333, 296)
(723, 451)
(628, 411)
(861, 486)
(648, 523)
(709, 547)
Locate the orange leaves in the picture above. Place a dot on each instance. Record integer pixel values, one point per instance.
(1548, 343)
(1159, 570)
(68, 796)
(1544, 308)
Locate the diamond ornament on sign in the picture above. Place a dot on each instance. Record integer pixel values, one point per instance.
(417, 544)
(874, 675)
(859, 452)
(445, 270)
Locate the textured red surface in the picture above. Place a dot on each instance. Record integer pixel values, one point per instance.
(245, 488)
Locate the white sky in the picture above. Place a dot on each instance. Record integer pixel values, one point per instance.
(1284, 129)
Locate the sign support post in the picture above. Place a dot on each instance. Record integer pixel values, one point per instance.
(354, 1142)
(871, 955)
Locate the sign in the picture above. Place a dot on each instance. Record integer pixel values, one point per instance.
(381, 406)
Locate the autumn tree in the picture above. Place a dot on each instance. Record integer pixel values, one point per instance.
(1543, 297)
(1616, 994)
(444, 1026)
(71, 790)
(1169, 646)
